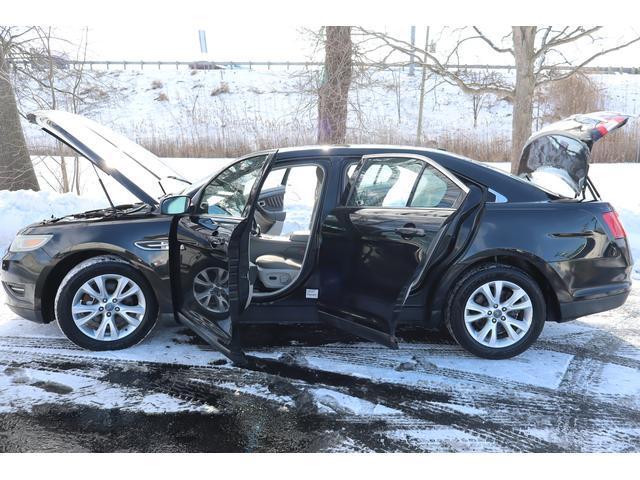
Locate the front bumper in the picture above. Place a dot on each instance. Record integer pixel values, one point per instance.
(19, 277)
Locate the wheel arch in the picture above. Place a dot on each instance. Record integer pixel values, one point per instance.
(54, 277)
(528, 263)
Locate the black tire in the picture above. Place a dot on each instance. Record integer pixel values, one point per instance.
(474, 279)
(83, 272)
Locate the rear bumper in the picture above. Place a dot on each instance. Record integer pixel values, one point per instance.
(609, 299)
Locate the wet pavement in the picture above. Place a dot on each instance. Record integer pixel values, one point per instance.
(313, 390)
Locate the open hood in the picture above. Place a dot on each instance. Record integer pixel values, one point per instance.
(563, 149)
(110, 152)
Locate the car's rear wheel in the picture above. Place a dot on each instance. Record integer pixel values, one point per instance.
(211, 291)
(105, 304)
(497, 311)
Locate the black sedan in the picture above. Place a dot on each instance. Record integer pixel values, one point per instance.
(362, 238)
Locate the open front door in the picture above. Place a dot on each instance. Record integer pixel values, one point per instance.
(211, 275)
(377, 246)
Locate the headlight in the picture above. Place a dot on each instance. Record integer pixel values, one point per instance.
(27, 243)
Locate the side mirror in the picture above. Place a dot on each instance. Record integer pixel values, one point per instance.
(175, 205)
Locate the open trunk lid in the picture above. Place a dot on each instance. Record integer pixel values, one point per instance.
(109, 151)
(558, 155)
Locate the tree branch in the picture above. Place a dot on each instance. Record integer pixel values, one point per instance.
(486, 40)
(436, 66)
(575, 69)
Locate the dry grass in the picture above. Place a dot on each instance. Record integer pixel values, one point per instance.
(576, 94)
(621, 146)
(220, 89)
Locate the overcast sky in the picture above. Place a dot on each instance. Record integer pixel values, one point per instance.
(234, 41)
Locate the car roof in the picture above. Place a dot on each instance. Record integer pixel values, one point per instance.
(511, 187)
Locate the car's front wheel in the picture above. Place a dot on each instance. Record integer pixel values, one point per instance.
(497, 311)
(103, 303)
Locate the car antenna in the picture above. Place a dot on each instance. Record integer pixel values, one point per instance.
(104, 189)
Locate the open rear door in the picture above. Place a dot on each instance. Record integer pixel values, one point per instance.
(377, 247)
(211, 275)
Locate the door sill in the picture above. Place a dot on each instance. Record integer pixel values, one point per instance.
(359, 330)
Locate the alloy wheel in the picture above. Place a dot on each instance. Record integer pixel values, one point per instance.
(108, 307)
(211, 289)
(498, 314)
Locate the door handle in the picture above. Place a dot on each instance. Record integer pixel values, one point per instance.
(410, 232)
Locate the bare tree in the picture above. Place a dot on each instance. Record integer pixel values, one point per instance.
(423, 83)
(480, 99)
(540, 57)
(16, 169)
(333, 98)
(49, 81)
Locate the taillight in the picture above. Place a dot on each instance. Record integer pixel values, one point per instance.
(615, 225)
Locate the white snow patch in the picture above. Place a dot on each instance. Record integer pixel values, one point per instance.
(165, 344)
(441, 439)
(20, 391)
(537, 367)
(619, 380)
(24, 207)
(332, 401)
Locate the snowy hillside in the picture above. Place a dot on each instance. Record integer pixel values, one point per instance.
(251, 108)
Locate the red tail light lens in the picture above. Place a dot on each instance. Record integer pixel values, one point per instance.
(615, 225)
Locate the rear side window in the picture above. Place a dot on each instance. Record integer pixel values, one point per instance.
(435, 190)
(403, 182)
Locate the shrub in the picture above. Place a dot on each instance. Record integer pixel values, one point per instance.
(220, 89)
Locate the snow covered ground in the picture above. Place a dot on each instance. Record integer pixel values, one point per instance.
(577, 389)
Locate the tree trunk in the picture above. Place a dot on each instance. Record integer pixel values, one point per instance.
(524, 47)
(16, 169)
(423, 82)
(334, 93)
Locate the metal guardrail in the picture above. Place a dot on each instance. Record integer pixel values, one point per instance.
(214, 65)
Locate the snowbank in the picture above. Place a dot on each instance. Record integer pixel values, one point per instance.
(24, 207)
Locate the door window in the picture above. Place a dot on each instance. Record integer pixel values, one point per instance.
(228, 192)
(435, 190)
(403, 182)
(386, 182)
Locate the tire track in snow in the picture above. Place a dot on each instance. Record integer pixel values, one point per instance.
(417, 404)
(542, 405)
